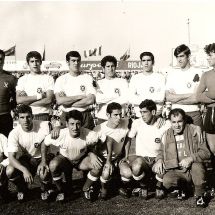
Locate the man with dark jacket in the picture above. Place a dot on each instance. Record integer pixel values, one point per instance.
(181, 157)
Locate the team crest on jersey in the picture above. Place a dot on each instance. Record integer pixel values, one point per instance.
(5, 84)
(82, 88)
(189, 85)
(152, 89)
(117, 90)
(157, 140)
(39, 90)
(196, 78)
(123, 139)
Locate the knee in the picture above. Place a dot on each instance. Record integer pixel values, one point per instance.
(125, 172)
(167, 182)
(10, 172)
(137, 168)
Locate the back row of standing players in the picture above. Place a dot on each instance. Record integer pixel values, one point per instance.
(185, 88)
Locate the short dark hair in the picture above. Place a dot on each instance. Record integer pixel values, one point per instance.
(113, 106)
(34, 54)
(108, 58)
(176, 112)
(209, 48)
(182, 48)
(22, 108)
(74, 114)
(149, 104)
(2, 53)
(73, 54)
(148, 54)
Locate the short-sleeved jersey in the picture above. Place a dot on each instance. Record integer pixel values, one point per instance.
(143, 87)
(114, 90)
(7, 90)
(73, 86)
(28, 143)
(69, 147)
(117, 134)
(148, 137)
(3, 149)
(183, 82)
(33, 84)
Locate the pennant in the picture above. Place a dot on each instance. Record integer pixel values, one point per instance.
(93, 52)
(125, 56)
(11, 51)
(44, 54)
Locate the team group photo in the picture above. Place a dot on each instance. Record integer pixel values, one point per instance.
(100, 131)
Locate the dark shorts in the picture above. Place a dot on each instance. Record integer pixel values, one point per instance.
(67, 164)
(209, 122)
(32, 163)
(6, 124)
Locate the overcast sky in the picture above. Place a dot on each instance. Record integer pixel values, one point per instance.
(155, 26)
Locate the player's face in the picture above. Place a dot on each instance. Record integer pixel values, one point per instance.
(74, 127)
(147, 115)
(26, 121)
(177, 123)
(211, 59)
(109, 70)
(1, 61)
(147, 63)
(115, 117)
(74, 64)
(182, 60)
(34, 65)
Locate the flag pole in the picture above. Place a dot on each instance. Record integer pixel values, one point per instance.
(188, 30)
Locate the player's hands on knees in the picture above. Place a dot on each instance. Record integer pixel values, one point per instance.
(42, 169)
(28, 176)
(186, 162)
(55, 132)
(95, 161)
(108, 168)
(159, 167)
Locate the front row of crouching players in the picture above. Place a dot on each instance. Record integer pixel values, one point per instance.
(180, 158)
(74, 143)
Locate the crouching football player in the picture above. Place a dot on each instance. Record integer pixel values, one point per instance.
(24, 152)
(74, 143)
(115, 129)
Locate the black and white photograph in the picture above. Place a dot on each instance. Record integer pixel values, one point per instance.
(107, 107)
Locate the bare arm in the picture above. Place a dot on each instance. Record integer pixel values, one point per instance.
(127, 146)
(22, 98)
(176, 98)
(201, 94)
(89, 100)
(62, 99)
(45, 101)
(109, 143)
